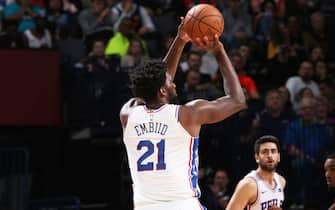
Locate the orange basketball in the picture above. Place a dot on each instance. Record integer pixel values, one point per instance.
(203, 20)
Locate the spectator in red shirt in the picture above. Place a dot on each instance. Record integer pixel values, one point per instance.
(247, 83)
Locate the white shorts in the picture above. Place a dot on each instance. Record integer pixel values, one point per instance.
(188, 204)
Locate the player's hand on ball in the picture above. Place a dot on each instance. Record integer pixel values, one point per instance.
(209, 45)
(182, 32)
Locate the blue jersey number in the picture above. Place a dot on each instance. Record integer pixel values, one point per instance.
(150, 149)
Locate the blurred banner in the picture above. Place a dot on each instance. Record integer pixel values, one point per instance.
(29, 88)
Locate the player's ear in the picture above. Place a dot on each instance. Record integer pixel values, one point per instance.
(256, 158)
(163, 91)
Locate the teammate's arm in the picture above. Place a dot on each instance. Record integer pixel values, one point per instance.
(204, 112)
(172, 57)
(127, 107)
(245, 193)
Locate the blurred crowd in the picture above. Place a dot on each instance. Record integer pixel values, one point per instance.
(282, 51)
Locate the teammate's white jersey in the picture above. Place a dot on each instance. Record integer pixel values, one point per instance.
(162, 156)
(266, 196)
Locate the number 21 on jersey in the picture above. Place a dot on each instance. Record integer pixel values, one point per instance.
(149, 149)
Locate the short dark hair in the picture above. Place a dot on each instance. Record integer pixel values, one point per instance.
(147, 78)
(265, 139)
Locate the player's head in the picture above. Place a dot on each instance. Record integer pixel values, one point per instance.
(151, 82)
(267, 152)
(329, 167)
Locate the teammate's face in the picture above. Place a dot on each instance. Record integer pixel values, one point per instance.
(330, 172)
(171, 88)
(268, 157)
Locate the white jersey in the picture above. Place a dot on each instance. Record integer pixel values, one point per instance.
(162, 155)
(266, 196)
(35, 42)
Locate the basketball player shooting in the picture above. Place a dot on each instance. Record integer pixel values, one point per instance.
(161, 139)
(261, 189)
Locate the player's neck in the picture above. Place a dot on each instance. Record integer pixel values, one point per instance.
(155, 105)
(266, 175)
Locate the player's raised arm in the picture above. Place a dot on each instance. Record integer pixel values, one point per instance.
(204, 112)
(245, 193)
(172, 57)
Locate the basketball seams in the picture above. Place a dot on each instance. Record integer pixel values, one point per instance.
(202, 22)
(193, 16)
(198, 26)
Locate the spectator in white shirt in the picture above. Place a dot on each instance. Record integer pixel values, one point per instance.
(304, 79)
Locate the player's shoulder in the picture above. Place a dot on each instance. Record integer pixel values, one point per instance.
(191, 107)
(128, 107)
(131, 104)
(247, 188)
(281, 179)
(248, 183)
(195, 103)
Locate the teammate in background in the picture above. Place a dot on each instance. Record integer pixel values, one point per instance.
(161, 139)
(263, 188)
(330, 178)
